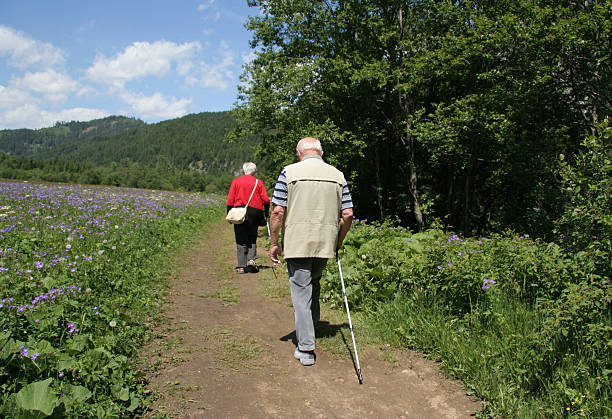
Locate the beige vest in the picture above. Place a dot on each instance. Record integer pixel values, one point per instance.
(314, 201)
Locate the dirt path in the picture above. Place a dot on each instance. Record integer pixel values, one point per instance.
(226, 351)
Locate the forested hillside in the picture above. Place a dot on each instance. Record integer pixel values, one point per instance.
(188, 153)
(34, 143)
(195, 141)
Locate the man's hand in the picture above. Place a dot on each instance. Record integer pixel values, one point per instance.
(275, 254)
(276, 220)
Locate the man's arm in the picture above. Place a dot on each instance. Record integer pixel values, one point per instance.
(345, 225)
(276, 221)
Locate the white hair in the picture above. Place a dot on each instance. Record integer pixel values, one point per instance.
(309, 143)
(249, 168)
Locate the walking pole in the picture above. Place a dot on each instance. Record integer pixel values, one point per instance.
(349, 319)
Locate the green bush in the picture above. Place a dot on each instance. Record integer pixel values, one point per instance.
(380, 260)
(524, 323)
(585, 228)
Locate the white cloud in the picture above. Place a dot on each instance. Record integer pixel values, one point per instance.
(183, 68)
(76, 114)
(156, 106)
(53, 85)
(205, 5)
(86, 26)
(11, 97)
(31, 116)
(141, 59)
(24, 52)
(249, 57)
(219, 75)
(210, 12)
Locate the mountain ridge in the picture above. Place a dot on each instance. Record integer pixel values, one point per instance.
(187, 153)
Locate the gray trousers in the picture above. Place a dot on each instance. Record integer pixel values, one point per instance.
(246, 240)
(304, 281)
(245, 252)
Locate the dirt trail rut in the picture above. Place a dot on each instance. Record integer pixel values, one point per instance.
(225, 351)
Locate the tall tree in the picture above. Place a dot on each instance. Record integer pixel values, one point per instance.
(434, 108)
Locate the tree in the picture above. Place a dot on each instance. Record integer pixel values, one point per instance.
(585, 228)
(445, 109)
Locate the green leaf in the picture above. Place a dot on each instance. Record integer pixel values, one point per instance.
(66, 362)
(79, 393)
(79, 343)
(37, 397)
(124, 394)
(135, 402)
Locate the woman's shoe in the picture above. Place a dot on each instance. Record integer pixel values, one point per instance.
(241, 271)
(252, 267)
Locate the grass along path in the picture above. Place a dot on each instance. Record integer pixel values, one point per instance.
(224, 349)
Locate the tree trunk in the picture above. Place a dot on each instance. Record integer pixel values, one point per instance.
(467, 193)
(379, 187)
(408, 142)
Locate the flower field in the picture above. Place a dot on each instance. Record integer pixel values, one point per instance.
(79, 268)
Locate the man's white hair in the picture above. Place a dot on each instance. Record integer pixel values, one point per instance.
(309, 143)
(249, 168)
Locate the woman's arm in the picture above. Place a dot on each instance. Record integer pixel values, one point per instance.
(231, 196)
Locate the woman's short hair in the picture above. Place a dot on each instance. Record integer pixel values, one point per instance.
(249, 168)
(309, 143)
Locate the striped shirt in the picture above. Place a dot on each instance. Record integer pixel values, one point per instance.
(280, 193)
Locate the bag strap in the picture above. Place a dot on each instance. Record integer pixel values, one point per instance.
(254, 187)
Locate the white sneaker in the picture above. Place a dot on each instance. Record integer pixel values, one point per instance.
(305, 358)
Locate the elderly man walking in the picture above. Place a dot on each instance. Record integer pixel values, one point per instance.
(314, 207)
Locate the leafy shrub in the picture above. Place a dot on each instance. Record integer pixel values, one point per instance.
(380, 260)
(524, 323)
(585, 228)
(375, 261)
(575, 342)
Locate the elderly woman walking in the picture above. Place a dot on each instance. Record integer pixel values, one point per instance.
(243, 188)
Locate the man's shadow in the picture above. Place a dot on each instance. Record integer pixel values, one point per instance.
(324, 329)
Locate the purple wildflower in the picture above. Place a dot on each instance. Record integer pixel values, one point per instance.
(486, 283)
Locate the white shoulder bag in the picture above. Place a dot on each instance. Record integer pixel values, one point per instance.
(237, 214)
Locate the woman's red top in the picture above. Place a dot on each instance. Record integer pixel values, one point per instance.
(241, 190)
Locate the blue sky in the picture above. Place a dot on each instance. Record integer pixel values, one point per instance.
(65, 60)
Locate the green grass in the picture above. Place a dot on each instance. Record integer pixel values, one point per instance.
(239, 353)
(491, 361)
(228, 295)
